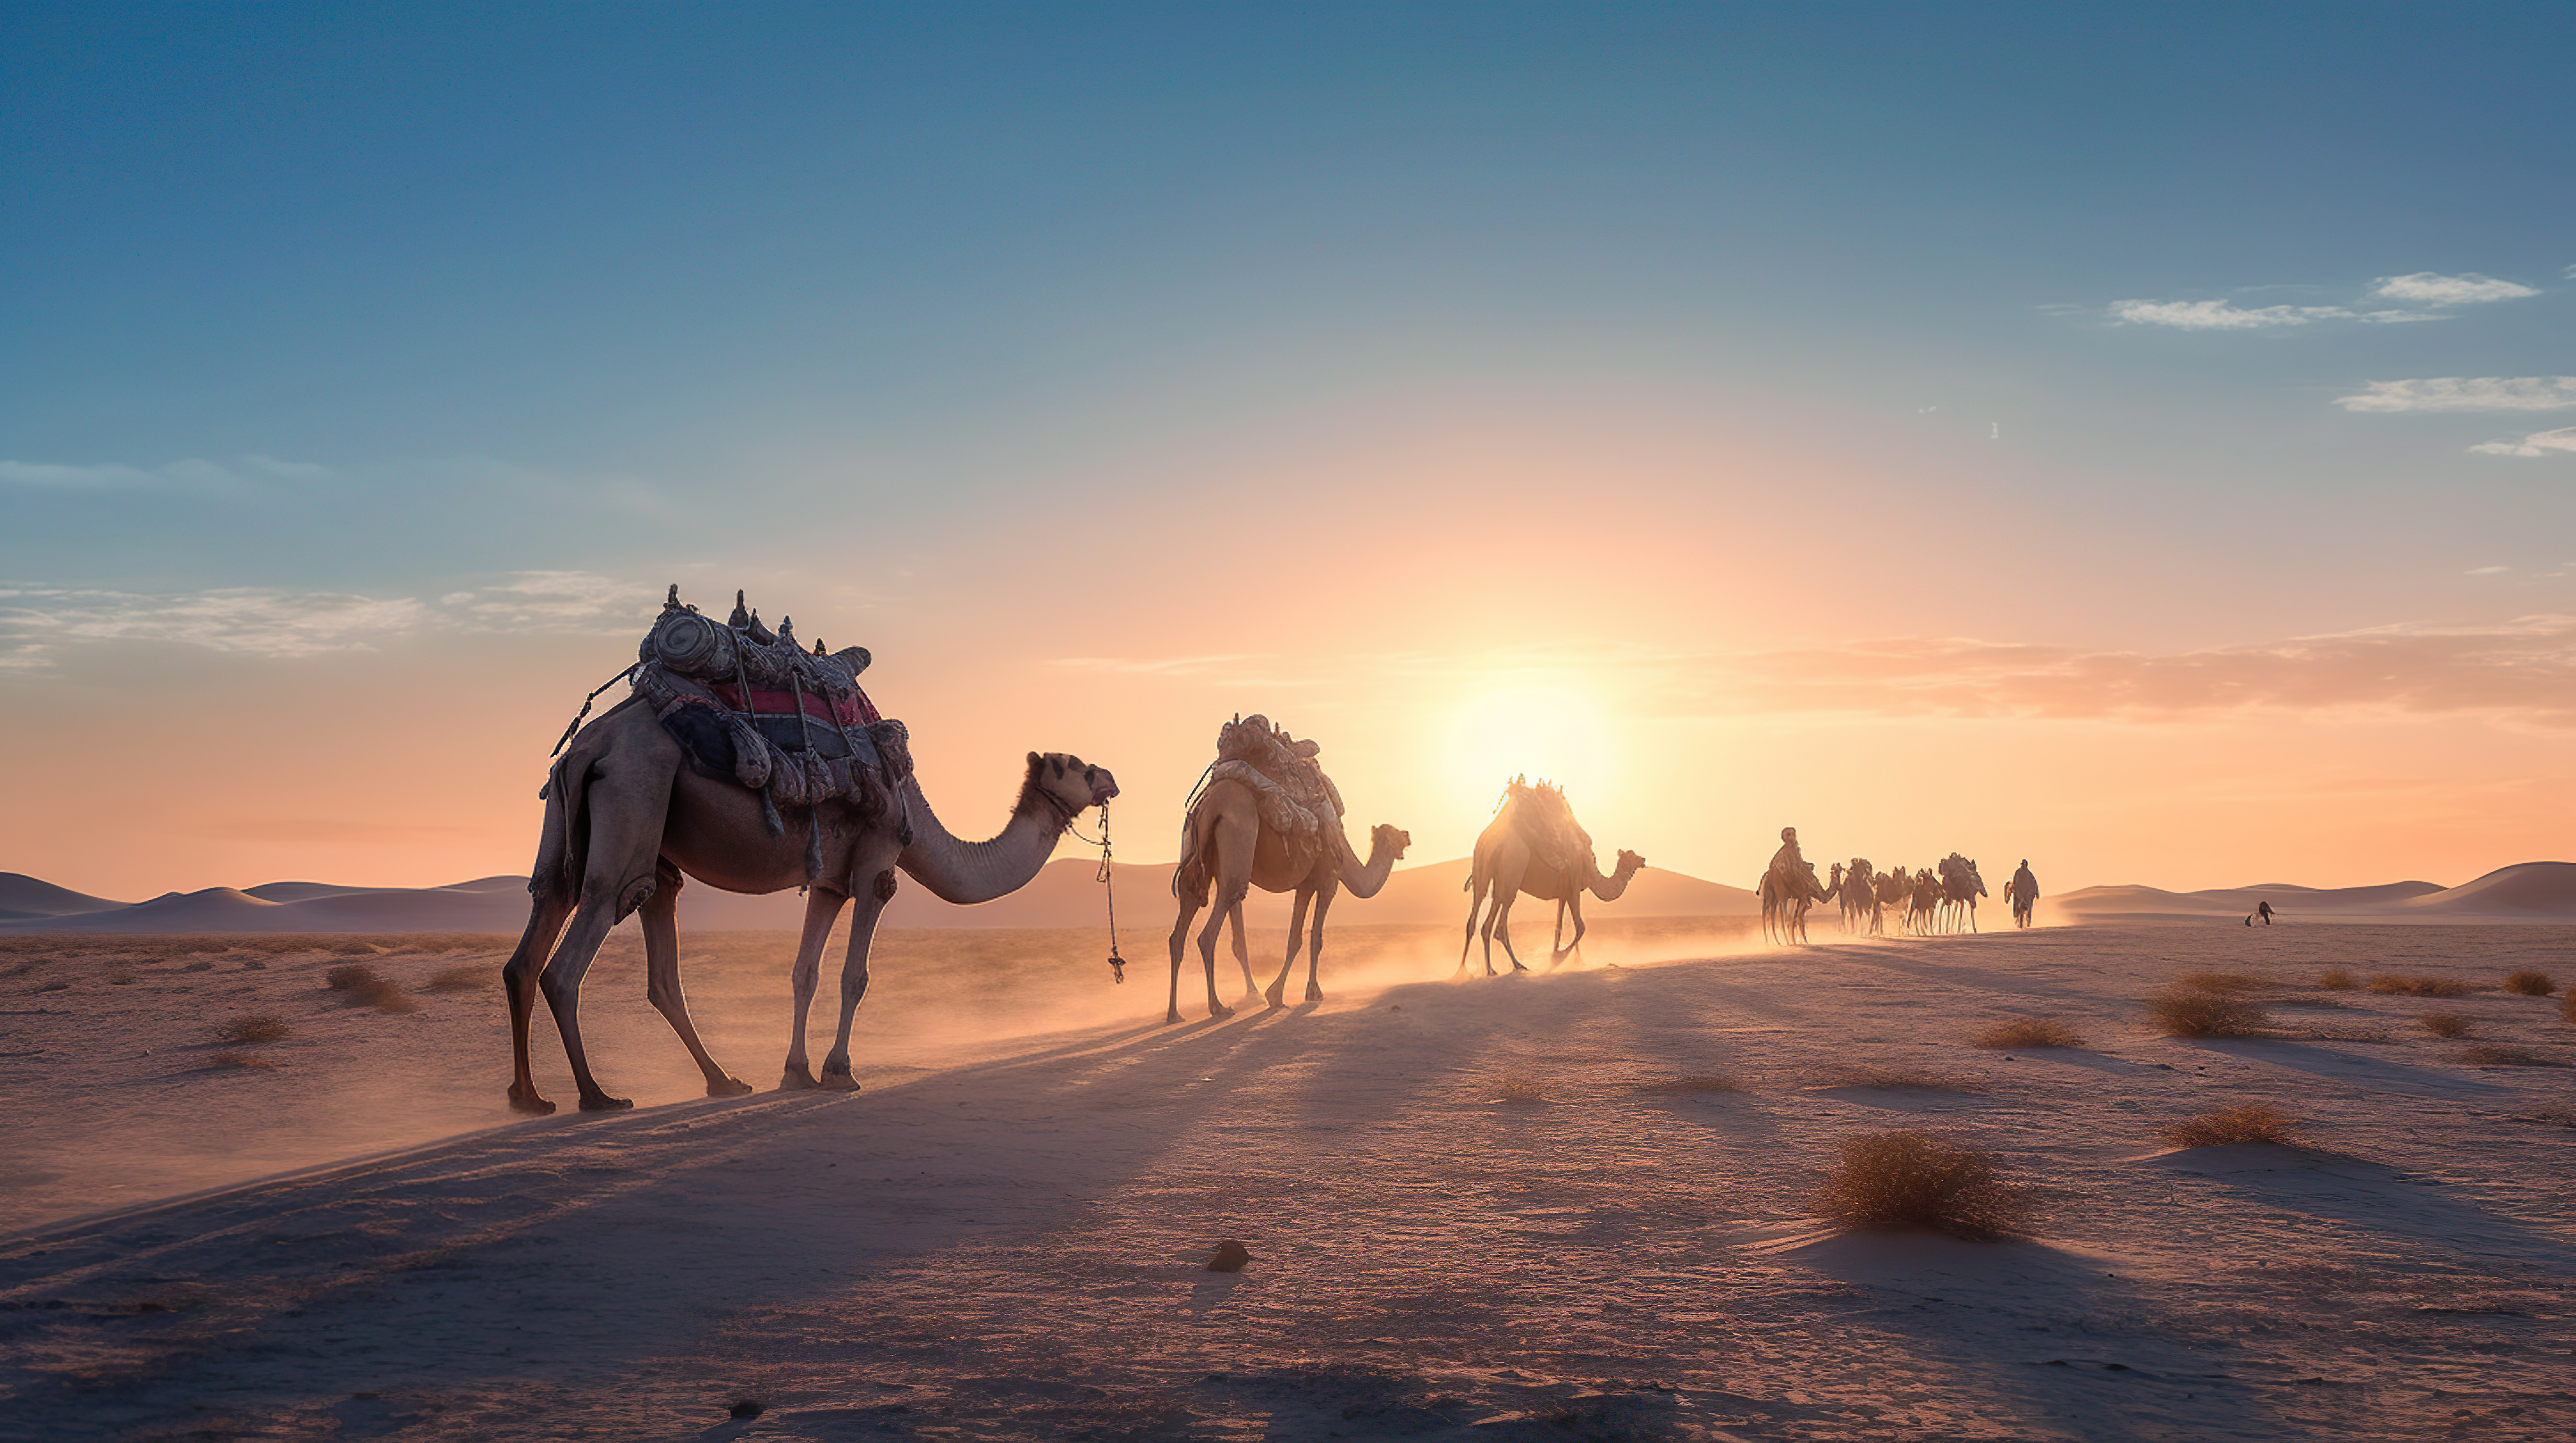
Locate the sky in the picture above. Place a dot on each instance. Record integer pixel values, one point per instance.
(2139, 439)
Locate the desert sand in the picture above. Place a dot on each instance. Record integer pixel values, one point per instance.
(1561, 1206)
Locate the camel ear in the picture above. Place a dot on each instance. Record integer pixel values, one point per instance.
(1035, 762)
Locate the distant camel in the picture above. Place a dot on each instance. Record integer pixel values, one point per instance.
(1785, 901)
(1960, 889)
(1227, 850)
(1922, 907)
(1509, 866)
(627, 816)
(1860, 897)
(1894, 889)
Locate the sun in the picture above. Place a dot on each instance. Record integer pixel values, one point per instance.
(1534, 730)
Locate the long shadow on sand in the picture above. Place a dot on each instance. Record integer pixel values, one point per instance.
(2367, 1195)
(2376, 1073)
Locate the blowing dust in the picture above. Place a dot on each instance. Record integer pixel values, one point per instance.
(142, 1068)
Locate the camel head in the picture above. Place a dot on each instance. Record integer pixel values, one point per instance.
(1067, 782)
(1390, 840)
(1630, 864)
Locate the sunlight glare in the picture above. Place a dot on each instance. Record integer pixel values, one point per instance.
(1544, 732)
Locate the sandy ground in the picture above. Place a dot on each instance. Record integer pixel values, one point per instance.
(1475, 1210)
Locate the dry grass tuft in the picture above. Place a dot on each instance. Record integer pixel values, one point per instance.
(246, 1061)
(2336, 979)
(366, 987)
(2223, 982)
(1698, 1082)
(1913, 1179)
(2530, 984)
(2420, 986)
(2509, 1057)
(2252, 1122)
(2027, 1032)
(262, 1028)
(468, 978)
(1518, 1087)
(2191, 1012)
(2445, 1024)
(1900, 1079)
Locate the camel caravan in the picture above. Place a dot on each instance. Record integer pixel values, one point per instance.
(746, 760)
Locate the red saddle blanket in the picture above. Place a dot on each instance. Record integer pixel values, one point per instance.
(852, 711)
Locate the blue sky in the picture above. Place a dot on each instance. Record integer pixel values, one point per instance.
(452, 331)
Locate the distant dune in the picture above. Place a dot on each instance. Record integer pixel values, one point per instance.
(2525, 891)
(1064, 894)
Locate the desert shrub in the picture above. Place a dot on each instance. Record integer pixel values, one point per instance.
(2337, 980)
(2530, 984)
(2420, 986)
(364, 986)
(1518, 1087)
(2252, 1122)
(1900, 1079)
(1697, 1082)
(262, 1028)
(2222, 982)
(120, 975)
(1915, 1179)
(247, 1061)
(2445, 1024)
(461, 979)
(2194, 1012)
(2026, 1032)
(2509, 1057)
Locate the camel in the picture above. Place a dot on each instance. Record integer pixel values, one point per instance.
(1893, 887)
(1227, 850)
(627, 818)
(1508, 866)
(1960, 888)
(1921, 914)
(1860, 897)
(1785, 900)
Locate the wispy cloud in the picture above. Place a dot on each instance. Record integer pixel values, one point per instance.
(2218, 315)
(2465, 393)
(2538, 443)
(193, 474)
(40, 623)
(2444, 290)
(2525, 668)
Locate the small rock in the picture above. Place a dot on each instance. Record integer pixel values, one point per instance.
(1230, 1257)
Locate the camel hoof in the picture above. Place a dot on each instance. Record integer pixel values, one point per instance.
(529, 1103)
(1172, 1018)
(797, 1078)
(1276, 999)
(1219, 1009)
(729, 1087)
(838, 1079)
(602, 1102)
(1314, 993)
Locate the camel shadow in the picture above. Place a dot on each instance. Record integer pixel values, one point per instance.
(2379, 1073)
(2363, 1194)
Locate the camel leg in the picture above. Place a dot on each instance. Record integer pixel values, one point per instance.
(561, 983)
(1315, 946)
(1503, 928)
(1191, 901)
(822, 909)
(660, 915)
(1207, 951)
(1276, 994)
(854, 986)
(547, 914)
(1475, 905)
(1556, 954)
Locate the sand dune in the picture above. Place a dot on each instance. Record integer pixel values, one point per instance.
(1565, 1206)
(1064, 894)
(2523, 892)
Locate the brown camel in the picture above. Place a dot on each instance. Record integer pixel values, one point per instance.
(1786, 895)
(1227, 850)
(626, 817)
(1508, 866)
(1960, 888)
(1894, 887)
(1860, 897)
